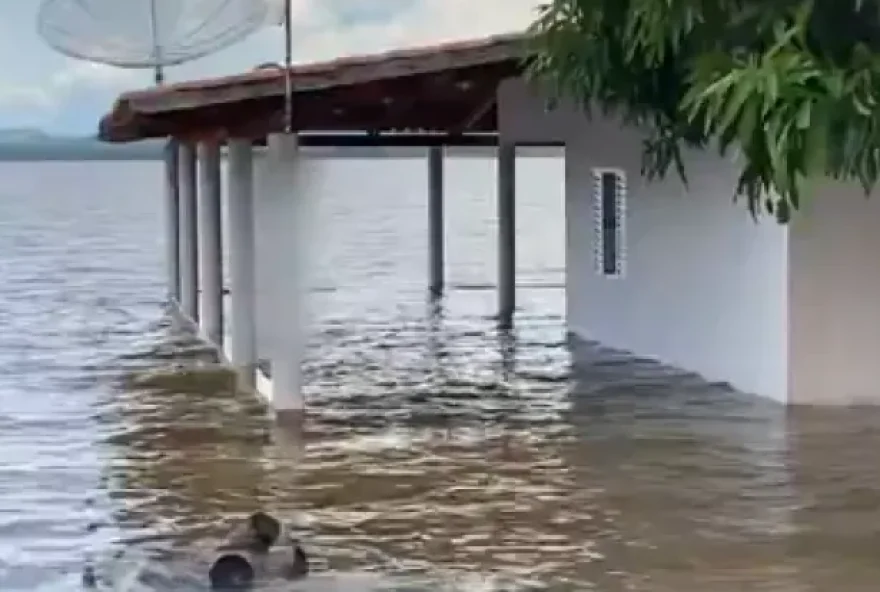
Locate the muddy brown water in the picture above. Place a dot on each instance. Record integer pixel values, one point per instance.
(438, 454)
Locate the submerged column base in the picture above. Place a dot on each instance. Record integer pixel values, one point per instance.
(285, 222)
(506, 234)
(242, 351)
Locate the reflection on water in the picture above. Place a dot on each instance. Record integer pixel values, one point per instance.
(436, 448)
(495, 462)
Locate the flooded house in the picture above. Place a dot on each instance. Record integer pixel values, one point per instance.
(679, 274)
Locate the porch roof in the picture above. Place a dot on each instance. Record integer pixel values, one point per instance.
(448, 88)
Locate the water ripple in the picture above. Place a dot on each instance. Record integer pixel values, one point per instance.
(439, 453)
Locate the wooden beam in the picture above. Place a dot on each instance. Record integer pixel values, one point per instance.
(269, 84)
(397, 140)
(374, 102)
(411, 140)
(400, 107)
(482, 109)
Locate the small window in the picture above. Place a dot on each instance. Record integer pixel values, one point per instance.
(609, 199)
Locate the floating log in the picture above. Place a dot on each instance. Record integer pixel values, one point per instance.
(244, 555)
(232, 571)
(300, 566)
(258, 533)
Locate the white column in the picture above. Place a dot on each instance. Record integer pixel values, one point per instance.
(506, 233)
(189, 234)
(285, 225)
(172, 219)
(242, 260)
(435, 221)
(210, 244)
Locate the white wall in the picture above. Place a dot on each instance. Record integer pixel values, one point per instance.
(705, 287)
(835, 297)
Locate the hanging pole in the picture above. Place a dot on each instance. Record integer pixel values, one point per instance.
(158, 73)
(288, 65)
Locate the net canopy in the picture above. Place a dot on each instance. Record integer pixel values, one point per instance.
(148, 33)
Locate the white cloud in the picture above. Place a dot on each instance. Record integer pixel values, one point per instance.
(41, 81)
(426, 22)
(94, 75)
(50, 95)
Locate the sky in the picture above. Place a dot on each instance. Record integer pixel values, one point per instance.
(41, 88)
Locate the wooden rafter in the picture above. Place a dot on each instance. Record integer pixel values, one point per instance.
(447, 89)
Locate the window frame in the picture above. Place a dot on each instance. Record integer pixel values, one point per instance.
(602, 226)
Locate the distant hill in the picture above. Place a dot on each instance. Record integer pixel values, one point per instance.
(26, 144)
(22, 134)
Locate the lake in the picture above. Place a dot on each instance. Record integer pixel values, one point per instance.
(437, 449)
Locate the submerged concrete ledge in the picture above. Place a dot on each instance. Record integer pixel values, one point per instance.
(263, 371)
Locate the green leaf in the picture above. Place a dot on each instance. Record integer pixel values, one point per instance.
(792, 85)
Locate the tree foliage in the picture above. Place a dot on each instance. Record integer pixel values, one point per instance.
(792, 85)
